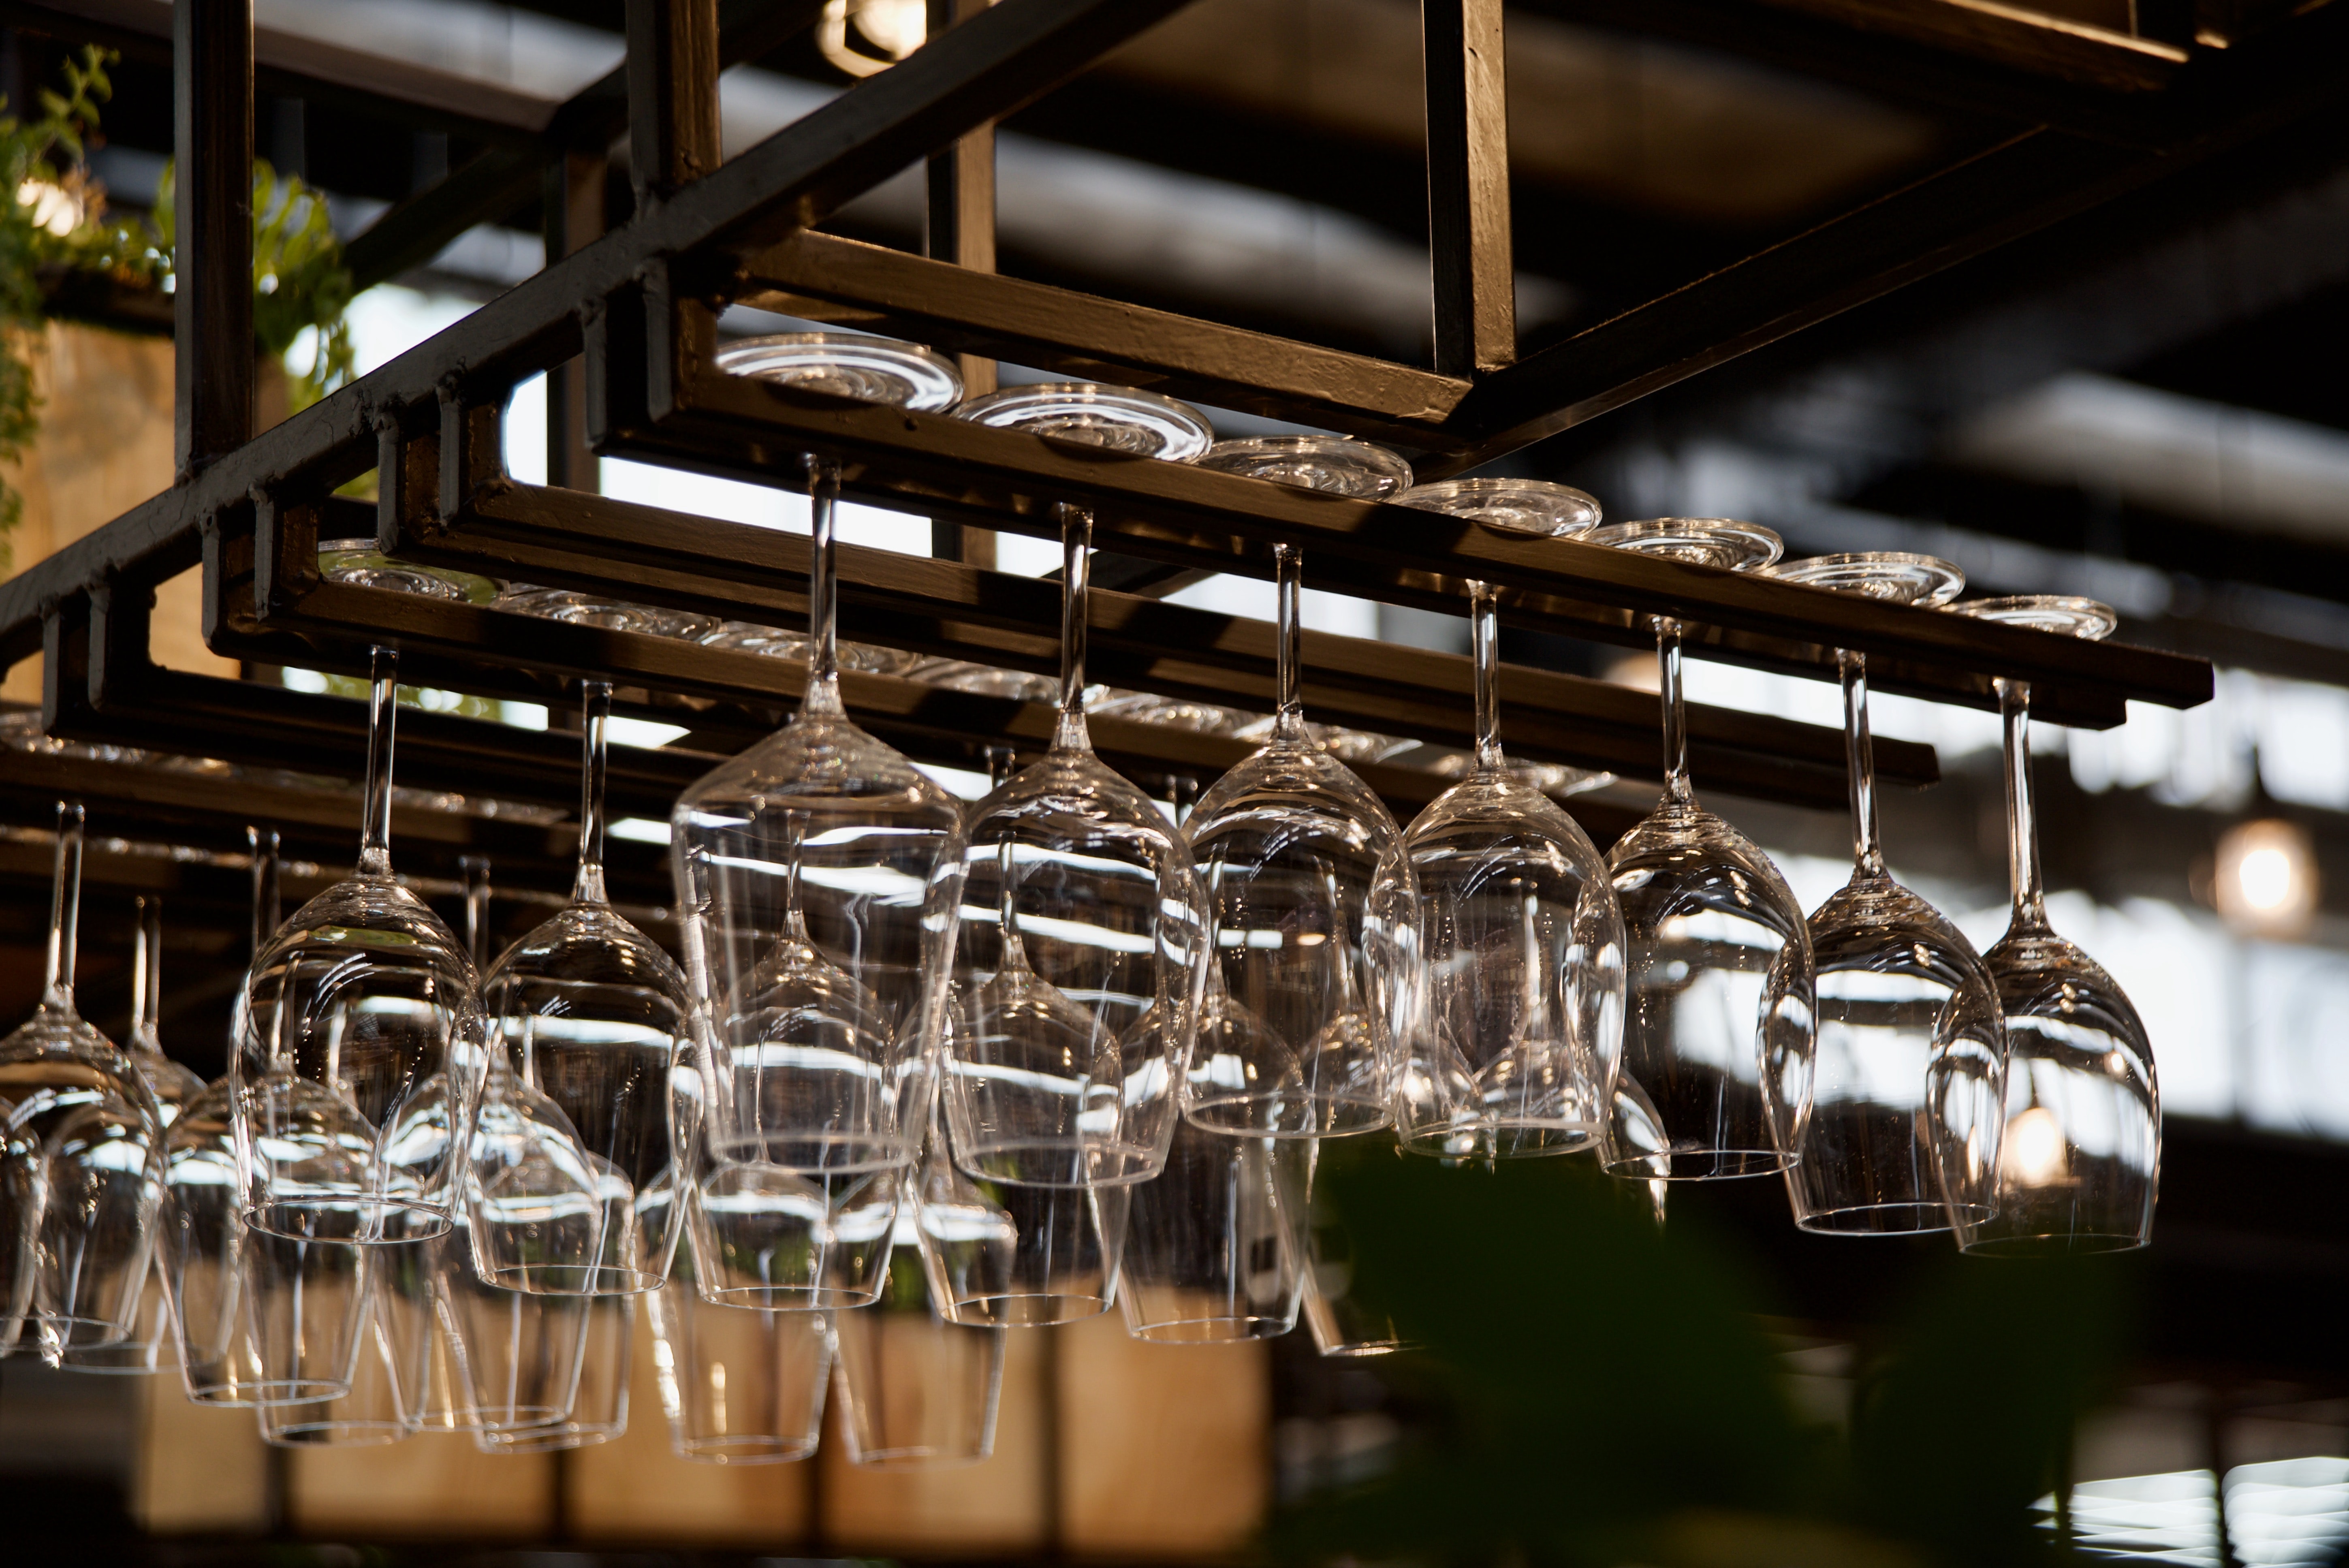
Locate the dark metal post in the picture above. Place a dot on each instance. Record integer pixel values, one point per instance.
(673, 128)
(574, 201)
(961, 229)
(211, 50)
(1468, 186)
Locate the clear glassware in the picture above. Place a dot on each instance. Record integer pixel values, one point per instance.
(987, 681)
(1718, 1029)
(854, 365)
(1174, 712)
(1342, 1318)
(521, 1351)
(2080, 1160)
(260, 1319)
(1352, 747)
(915, 1391)
(775, 642)
(590, 1013)
(174, 1088)
(1524, 951)
(1338, 465)
(576, 609)
(372, 1411)
(740, 1386)
(1910, 1075)
(360, 564)
(1315, 924)
(1078, 970)
(1217, 1248)
(81, 1167)
(1538, 506)
(818, 877)
(606, 1330)
(358, 1048)
(1122, 419)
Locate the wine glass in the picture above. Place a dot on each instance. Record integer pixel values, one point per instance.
(261, 1319)
(854, 365)
(589, 1013)
(174, 1088)
(740, 1385)
(1718, 1034)
(2077, 1170)
(1538, 506)
(915, 1391)
(1314, 922)
(818, 877)
(1336, 465)
(1078, 970)
(359, 1051)
(81, 1168)
(1524, 956)
(606, 1330)
(1343, 1319)
(372, 1411)
(360, 564)
(1122, 419)
(1911, 1066)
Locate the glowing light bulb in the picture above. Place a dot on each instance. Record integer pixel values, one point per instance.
(2034, 1155)
(2265, 881)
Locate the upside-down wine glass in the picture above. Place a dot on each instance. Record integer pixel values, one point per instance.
(358, 1047)
(174, 1088)
(818, 877)
(81, 1167)
(2079, 1166)
(1911, 1067)
(1718, 1033)
(1524, 956)
(1314, 920)
(261, 1319)
(1079, 966)
(589, 1013)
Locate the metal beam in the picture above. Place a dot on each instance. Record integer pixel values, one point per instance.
(1468, 185)
(212, 92)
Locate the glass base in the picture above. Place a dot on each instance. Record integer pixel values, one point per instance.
(335, 1434)
(792, 1298)
(1506, 1141)
(2072, 1244)
(1700, 1165)
(575, 1279)
(1289, 1116)
(114, 1360)
(1366, 1349)
(1029, 1310)
(246, 1396)
(918, 1458)
(361, 1221)
(745, 1450)
(1880, 1220)
(1211, 1330)
(1057, 1165)
(542, 1442)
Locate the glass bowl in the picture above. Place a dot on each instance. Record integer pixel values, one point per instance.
(848, 365)
(1536, 506)
(1122, 419)
(1340, 465)
(1721, 541)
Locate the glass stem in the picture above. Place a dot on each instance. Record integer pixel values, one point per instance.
(138, 961)
(1076, 577)
(1484, 634)
(1867, 845)
(152, 931)
(375, 842)
(65, 908)
(476, 868)
(1289, 635)
(794, 848)
(2021, 816)
(594, 715)
(823, 698)
(263, 845)
(1675, 709)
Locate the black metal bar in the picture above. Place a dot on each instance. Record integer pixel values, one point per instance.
(1468, 185)
(673, 135)
(826, 277)
(574, 201)
(212, 45)
(958, 229)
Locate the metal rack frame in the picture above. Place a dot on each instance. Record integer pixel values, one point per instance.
(625, 323)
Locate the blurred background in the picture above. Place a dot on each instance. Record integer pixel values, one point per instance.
(2144, 404)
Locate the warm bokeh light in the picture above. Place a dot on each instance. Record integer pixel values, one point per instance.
(2034, 1152)
(2265, 881)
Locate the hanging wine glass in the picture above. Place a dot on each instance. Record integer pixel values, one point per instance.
(371, 1411)
(916, 1390)
(174, 1088)
(1718, 1033)
(818, 877)
(1122, 419)
(1910, 1075)
(605, 1330)
(261, 1319)
(1524, 957)
(589, 1013)
(1343, 1318)
(359, 1053)
(1077, 975)
(1538, 506)
(1315, 927)
(2078, 1166)
(81, 1168)
(1334, 464)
